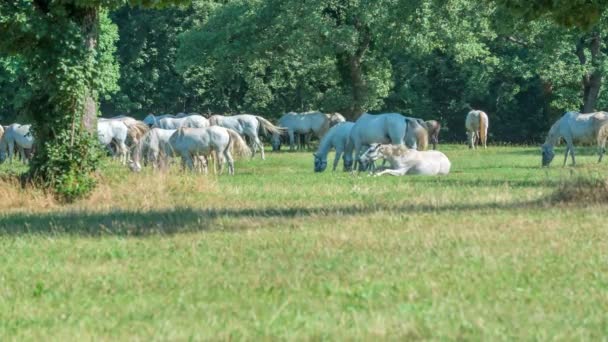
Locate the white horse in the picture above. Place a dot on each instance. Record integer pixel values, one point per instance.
(249, 126)
(316, 123)
(386, 128)
(337, 137)
(476, 124)
(114, 132)
(16, 135)
(190, 121)
(152, 120)
(154, 147)
(574, 126)
(405, 161)
(194, 142)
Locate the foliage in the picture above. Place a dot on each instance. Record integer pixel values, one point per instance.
(67, 49)
(581, 13)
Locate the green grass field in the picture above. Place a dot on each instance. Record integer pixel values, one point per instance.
(278, 252)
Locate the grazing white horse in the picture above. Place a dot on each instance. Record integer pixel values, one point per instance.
(190, 121)
(574, 126)
(476, 124)
(316, 123)
(194, 142)
(114, 132)
(337, 137)
(391, 128)
(406, 161)
(16, 135)
(135, 130)
(154, 147)
(247, 125)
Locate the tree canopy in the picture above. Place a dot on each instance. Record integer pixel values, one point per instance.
(523, 62)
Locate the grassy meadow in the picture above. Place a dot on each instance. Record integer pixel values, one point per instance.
(279, 252)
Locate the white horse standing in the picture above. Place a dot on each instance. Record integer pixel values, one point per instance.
(247, 125)
(405, 161)
(16, 135)
(386, 128)
(190, 121)
(194, 142)
(337, 137)
(476, 124)
(574, 126)
(114, 132)
(316, 123)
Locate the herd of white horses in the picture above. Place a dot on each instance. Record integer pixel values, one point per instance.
(397, 140)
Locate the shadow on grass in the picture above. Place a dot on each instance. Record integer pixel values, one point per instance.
(487, 183)
(181, 220)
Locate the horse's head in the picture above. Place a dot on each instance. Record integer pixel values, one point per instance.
(149, 120)
(134, 166)
(368, 158)
(547, 154)
(336, 118)
(320, 163)
(275, 141)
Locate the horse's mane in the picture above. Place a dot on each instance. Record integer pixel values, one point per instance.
(394, 150)
(553, 135)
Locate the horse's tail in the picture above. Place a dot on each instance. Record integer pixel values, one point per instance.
(268, 127)
(239, 146)
(422, 138)
(483, 127)
(602, 133)
(136, 130)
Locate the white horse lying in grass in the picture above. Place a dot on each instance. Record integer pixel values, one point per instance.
(391, 128)
(337, 137)
(16, 135)
(190, 121)
(316, 123)
(249, 126)
(574, 126)
(476, 124)
(194, 142)
(406, 161)
(114, 132)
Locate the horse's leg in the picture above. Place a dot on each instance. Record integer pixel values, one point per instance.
(337, 158)
(11, 151)
(398, 172)
(291, 139)
(601, 148)
(230, 161)
(258, 143)
(22, 154)
(356, 159)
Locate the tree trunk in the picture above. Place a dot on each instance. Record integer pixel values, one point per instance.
(592, 81)
(90, 30)
(359, 88)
